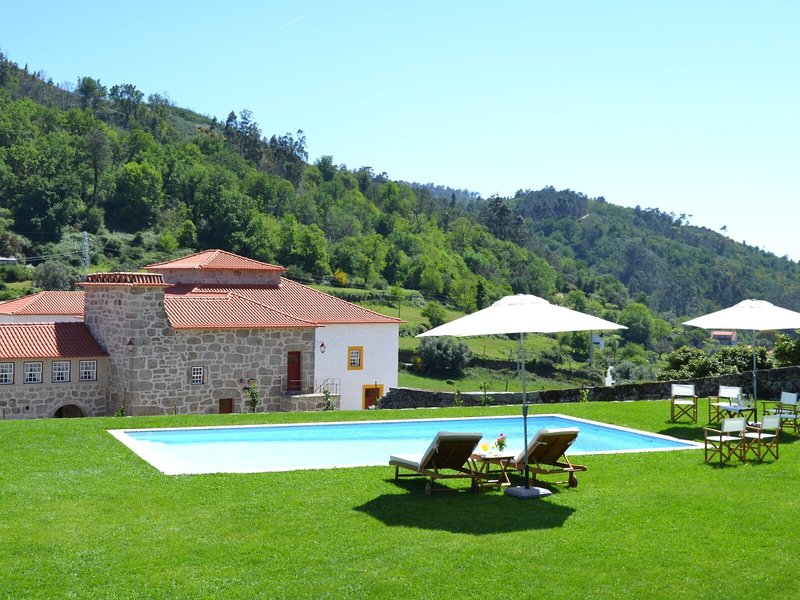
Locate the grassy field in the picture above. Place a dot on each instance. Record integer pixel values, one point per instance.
(473, 378)
(83, 517)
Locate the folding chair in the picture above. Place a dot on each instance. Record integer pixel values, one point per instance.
(727, 396)
(727, 441)
(786, 409)
(683, 402)
(763, 440)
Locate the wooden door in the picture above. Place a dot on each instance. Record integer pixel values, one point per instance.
(371, 395)
(293, 372)
(225, 406)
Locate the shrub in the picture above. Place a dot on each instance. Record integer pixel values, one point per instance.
(690, 363)
(787, 351)
(435, 313)
(443, 356)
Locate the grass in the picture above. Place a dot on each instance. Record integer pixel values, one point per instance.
(83, 517)
(498, 381)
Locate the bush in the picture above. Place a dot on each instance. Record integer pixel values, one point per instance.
(53, 275)
(787, 351)
(689, 363)
(15, 273)
(412, 329)
(435, 313)
(443, 356)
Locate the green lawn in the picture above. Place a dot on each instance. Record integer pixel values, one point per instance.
(83, 517)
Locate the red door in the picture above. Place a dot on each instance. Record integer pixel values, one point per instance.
(371, 395)
(225, 406)
(293, 371)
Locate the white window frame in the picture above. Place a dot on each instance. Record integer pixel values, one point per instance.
(32, 372)
(355, 352)
(87, 370)
(59, 373)
(198, 375)
(6, 373)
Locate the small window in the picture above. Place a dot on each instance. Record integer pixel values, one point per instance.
(60, 371)
(355, 358)
(197, 375)
(32, 372)
(88, 369)
(6, 373)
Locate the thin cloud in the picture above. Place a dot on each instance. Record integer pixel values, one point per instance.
(290, 23)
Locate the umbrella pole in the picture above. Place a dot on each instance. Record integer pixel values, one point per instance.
(524, 406)
(526, 491)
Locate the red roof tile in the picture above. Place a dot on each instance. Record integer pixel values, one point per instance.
(45, 303)
(47, 340)
(289, 304)
(295, 299)
(229, 311)
(217, 260)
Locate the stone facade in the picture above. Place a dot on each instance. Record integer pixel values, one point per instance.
(151, 365)
(20, 400)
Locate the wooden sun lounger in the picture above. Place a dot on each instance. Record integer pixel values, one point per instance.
(546, 454)
(446, 458)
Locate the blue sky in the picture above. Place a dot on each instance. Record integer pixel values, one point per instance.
(690, 107)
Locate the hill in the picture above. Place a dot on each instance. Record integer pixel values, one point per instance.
(148, 181)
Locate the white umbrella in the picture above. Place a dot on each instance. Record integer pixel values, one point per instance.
(521, 314)
(755, 315)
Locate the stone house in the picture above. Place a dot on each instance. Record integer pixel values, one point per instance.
(195, 335)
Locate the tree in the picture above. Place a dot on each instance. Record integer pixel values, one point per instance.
(159, 108)
(90, 91)
(98, 151)
(431, 282)
(137, 199)
(326, 167)
(187, 234)
(126, 99)
(435, 313)
(637, 318)
(288, 156)
(52, 275)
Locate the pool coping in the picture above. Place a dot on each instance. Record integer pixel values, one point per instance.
(144, 451)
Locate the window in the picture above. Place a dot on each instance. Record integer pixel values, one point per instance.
(32, 372)
(60, 371)
(197, 375)
(6, 373)
(88, 369)
(355, 358)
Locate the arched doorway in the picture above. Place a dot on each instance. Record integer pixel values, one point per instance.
(69, 411)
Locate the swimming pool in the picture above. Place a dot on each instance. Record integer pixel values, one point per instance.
(262, 448)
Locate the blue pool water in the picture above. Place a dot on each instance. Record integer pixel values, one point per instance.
(262, 448)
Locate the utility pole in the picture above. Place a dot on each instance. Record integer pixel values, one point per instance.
(85, 254)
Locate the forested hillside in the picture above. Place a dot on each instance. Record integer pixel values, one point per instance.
(148, 181)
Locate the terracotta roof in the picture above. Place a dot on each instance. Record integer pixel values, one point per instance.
(131, 279)
(216, 260)
(294, 299)
(45, 303)
(47, 340)
(228, 311)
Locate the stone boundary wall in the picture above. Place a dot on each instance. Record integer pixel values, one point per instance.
(770, 384)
